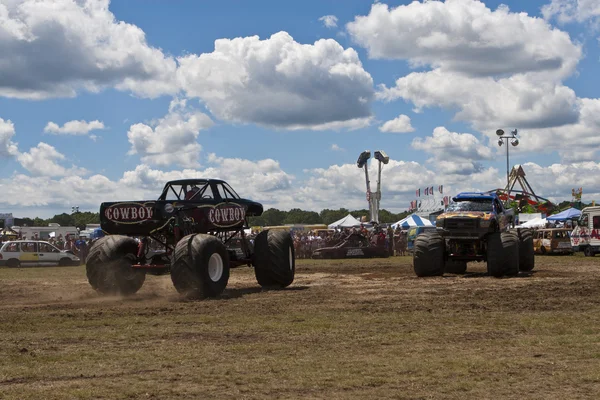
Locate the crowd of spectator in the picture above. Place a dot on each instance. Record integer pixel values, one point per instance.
(306, 242)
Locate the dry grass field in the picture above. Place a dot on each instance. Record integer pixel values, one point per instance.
(344, 329)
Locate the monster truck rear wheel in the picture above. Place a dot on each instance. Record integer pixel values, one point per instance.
(108, 266)
(200, 267)
(455, 267)
(510, 242)
(526, 255)
(502, 254)
(495, 259)
(428, 257)
(274, 258)
(588, 252)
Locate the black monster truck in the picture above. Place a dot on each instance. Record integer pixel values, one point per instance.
(193, 222)
(476, 227)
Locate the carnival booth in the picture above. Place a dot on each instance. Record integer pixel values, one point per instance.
(8, 234)
(347, 222)
(412, 221)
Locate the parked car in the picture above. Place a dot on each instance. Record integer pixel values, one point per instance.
(552, 241)
(34, 253)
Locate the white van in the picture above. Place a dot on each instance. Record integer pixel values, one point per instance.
(33, 253)
(586, 235)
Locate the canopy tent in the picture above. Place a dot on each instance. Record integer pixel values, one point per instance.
(412, 220)
(534, 223)
(525, 217)
(347, 222)
(97, 234)
(571, 213)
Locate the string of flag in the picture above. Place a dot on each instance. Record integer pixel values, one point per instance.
(430, 191)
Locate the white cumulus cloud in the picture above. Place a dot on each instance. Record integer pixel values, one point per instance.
(45, 160)
(329, 21)
(572, 10)
(400, 124)
(173, 139)
(54, 48)
(279, 82)
(487, 102)
(454, 153)
(465, 36)
(7, 146)
(74, 127)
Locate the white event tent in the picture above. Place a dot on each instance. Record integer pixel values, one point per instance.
(534, 223)
(347, 222)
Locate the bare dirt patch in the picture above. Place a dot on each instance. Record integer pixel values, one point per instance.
(344, 329)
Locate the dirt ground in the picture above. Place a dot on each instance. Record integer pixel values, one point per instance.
(344, 329)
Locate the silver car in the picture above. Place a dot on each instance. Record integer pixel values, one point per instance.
(33, 253)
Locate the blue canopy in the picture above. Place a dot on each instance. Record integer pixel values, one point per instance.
(412, 220)
(97, 234)
(571, 213)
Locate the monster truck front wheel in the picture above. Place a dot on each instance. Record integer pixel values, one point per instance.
(274, 259)
(200, 267)
(428, 256)
(503, 254)
(108, 266)
(455, 267)
(526, 254)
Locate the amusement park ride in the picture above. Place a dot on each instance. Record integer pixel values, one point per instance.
(374, 198)
(525, 196)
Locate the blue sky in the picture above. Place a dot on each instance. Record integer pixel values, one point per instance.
(284, 117)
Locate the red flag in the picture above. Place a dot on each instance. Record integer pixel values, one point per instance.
(418, 192)
(431, 191)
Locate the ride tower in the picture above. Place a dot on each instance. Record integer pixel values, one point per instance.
(374, 198)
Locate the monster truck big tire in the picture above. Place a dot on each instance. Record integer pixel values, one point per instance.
(510, 243)
(526, 255)
(108, 266)
(428, 257)
(588, 252)
(455, 267)
(502, 254)
(274, 258)
(495, 252)
(200, 266)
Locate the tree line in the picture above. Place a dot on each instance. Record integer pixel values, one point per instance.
(273, 216)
